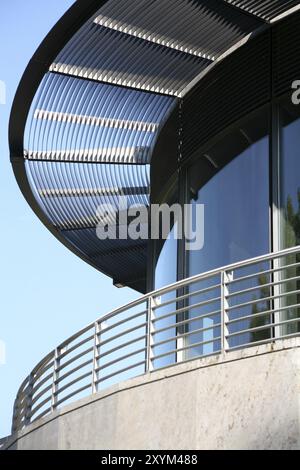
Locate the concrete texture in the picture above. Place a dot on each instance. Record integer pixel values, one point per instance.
(248, 399)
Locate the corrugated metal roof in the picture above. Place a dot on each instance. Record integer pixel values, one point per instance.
(265, 9)
(98, 111)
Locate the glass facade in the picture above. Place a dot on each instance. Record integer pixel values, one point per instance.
(236, 204)
(236, 227)
(289, 176)
(233, 179)
(289, 212)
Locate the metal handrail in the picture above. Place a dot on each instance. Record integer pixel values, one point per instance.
(127, 342)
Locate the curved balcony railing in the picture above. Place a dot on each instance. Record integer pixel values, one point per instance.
(244, 304)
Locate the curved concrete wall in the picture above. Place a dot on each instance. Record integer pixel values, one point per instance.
(247, 399)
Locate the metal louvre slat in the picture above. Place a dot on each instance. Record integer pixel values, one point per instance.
(265, 9)
(198, 27)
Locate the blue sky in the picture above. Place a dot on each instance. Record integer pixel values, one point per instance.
(47, 293)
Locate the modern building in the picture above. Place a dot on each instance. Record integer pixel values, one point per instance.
(189, 102)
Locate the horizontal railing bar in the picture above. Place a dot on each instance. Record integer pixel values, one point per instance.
(187, 307)
(70, 395)
(268, 326)
(265, 312)
(263, 327)
(184, 348)
(249, 276)
(76, 335)
(250, 289)
(22, 413)
(259, 273)
(41, 372)
(289, 279)
(74, 381)
(263, 341)
(287, 266)
(123, 333)
(121, 346)
(76, 346)
(73, 359)
(41, 393)
(197, 318)
(184, 296)
(262, 286)
(125, 308)
(263, 299)
(251, 302)
(70, 372)
(23, 387)
(251, 316)
(183, 335)
(185, 282)
(188, 320)
(22, 396)
(39, 384)
(42, 414)
(214, 353)
(44, 363)
(251, 343)
(133, 366)
(119, 359)
(121, 322)
(42, 403)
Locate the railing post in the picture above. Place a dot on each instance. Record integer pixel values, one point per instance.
(97, 329)
(150, 332)
(28, 409)
(55, 384)
(225, 278)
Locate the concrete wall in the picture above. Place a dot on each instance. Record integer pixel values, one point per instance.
(247, 399)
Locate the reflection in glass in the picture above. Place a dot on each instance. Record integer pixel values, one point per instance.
(290, 214)
(236, 200)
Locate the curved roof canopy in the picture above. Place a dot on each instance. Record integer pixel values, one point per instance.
(96, 95)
